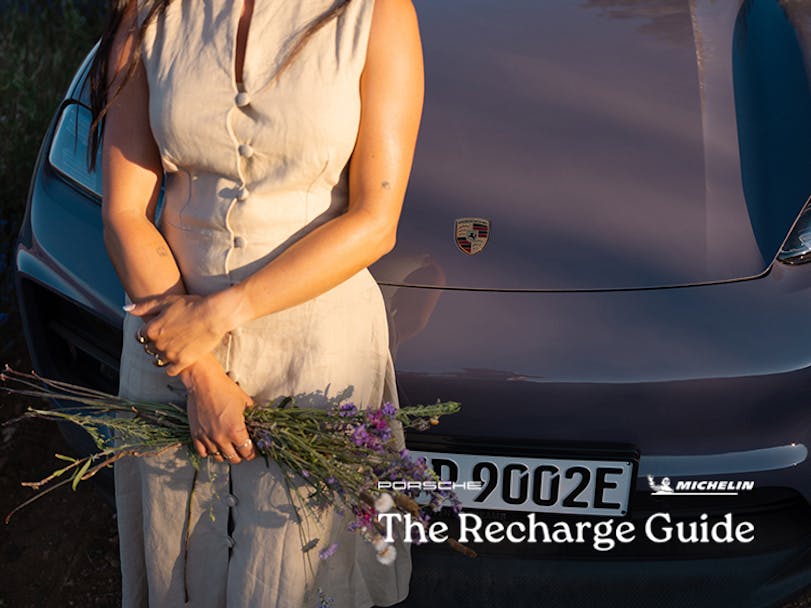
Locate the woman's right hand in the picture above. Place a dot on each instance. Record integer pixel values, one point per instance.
(216, 407)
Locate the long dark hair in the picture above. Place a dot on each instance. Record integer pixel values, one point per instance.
(102, 94)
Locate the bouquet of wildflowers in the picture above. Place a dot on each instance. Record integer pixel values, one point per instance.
(338, 455)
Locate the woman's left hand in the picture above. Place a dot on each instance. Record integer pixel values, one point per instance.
(185, 328)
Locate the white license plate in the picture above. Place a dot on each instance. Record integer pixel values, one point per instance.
(550, 485)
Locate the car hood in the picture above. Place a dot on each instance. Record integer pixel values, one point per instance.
(608, 144)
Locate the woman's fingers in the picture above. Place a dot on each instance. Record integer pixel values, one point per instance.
(150, 305)
(180, 330)
(200, 448)
(153, 336)
(211, 448)
(242, 441)
(216, 406)
(229, 452)
(218, 450)
(245, 447)
(175, 367)
(229, 446)
(237, 447)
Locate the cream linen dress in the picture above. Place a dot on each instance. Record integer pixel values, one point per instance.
(248, 170)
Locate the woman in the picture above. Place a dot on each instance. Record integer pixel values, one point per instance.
(253, 284)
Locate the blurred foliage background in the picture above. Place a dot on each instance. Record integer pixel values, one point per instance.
(42, 43)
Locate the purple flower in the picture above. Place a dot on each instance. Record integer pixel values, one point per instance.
(305, 473)
(324, 600)
(328, 552)
(333, 484)
(389, 410)
(263, 440)
(377, 420)
(347, 409)
(360, 436)
(363, 518)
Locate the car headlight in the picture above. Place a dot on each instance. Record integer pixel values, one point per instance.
(68, 153)
(796, 248)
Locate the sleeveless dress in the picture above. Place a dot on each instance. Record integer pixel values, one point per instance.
(248, 171)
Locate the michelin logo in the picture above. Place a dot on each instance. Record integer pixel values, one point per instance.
(699, 488)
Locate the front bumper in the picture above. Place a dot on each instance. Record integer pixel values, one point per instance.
(706, 382)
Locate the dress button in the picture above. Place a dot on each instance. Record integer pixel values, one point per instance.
(243, 193)
(231, 500)
(239, 242)
(242, 99)
(245, 150)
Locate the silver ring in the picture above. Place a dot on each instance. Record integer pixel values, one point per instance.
(142, 339)
(214, 454)
(160, 362)
(231, 457)
(247, 443)
(148, 350)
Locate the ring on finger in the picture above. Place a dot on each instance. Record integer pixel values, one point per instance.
(148, 350)
(142, 339)
(247, 443)
(230, 456)
(160, 362)
(214, 454)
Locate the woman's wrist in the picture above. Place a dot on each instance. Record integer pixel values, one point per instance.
(204, 366)
(230, 308)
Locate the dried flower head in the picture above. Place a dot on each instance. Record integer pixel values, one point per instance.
(387, 555)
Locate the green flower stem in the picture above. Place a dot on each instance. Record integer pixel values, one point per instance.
(313, 439)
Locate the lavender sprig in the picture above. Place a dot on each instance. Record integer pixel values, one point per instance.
(331, 457)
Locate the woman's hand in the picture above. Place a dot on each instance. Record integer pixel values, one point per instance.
(183, 329)
(216, 407)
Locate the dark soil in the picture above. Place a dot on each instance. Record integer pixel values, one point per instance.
(61, 550)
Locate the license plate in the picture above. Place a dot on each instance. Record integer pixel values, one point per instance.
(549, 485)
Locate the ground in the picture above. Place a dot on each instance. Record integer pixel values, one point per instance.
(61, 550)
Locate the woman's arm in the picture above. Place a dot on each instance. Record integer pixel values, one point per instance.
(131, 182)
(391, 91)
(138, 251)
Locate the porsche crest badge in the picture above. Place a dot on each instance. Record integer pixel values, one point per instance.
(472, 234)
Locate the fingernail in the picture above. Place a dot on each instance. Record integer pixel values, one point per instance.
(128, 307)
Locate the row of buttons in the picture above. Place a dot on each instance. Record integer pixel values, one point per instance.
(242, 100)
(231, 501)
